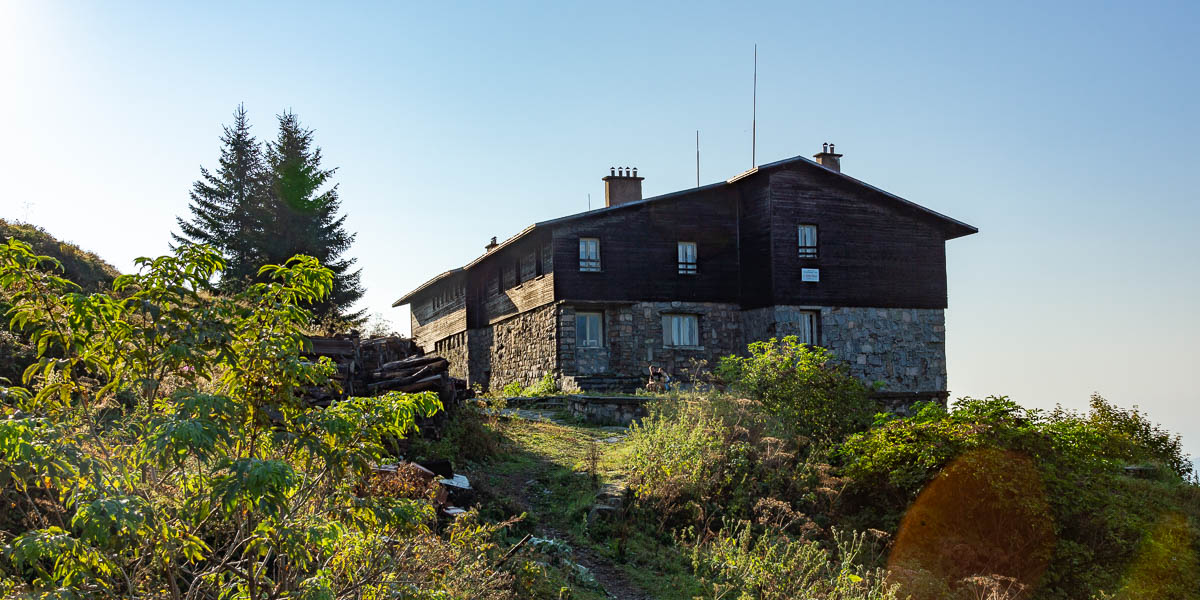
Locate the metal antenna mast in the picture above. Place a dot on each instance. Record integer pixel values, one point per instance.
(697, 158)
(754, 114)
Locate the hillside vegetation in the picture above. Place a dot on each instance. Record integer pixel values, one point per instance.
(84, 268)
(157, 446)
(80, 266)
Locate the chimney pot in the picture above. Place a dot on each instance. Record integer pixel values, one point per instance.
(622, 186)
(829, 158)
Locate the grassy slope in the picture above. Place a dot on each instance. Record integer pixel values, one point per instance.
(83, 267)
(546, 470)
(80, 266)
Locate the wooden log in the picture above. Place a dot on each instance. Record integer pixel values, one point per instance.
(412, 361)
(436, 366)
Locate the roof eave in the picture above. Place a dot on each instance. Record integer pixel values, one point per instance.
(424, 286)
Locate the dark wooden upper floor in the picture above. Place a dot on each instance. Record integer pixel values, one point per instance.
(791, 232)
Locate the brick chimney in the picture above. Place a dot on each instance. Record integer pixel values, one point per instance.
(828, 158)
(491, 245)
(622, 186)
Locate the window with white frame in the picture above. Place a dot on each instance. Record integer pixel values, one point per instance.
(687, 258)
(808, 328)
(589, 254)
(808, 241)
(589, 329)
(681, 330)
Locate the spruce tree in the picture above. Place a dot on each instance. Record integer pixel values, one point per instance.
(228, 206)
(304, 218)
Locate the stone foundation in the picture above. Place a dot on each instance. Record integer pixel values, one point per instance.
(903, 347)
(607, 410)
(633, 339)
(521, 348)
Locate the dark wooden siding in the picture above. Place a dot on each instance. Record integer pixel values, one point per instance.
(638, 251)
(754, 210)
(871, 252)
(516, 279)
(433, 322)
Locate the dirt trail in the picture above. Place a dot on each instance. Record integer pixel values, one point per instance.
(611, 576)
(523, 488)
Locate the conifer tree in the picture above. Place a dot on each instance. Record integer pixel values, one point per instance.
(304, 217)
(228, 206)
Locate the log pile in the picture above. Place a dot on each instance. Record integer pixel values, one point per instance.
(379, 365)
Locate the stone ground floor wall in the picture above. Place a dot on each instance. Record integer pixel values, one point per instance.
(456, 350)
(521, 348)
(633, 338)
(903, 347)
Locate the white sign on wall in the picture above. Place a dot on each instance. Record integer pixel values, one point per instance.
(810, 275)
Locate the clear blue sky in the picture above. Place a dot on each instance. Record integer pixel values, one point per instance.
(1067, 133)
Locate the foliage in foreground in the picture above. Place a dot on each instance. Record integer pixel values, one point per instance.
(84, 268)
(160, 448)
(1040, 496)
(737, 563)
(984, 500)
(802, 385)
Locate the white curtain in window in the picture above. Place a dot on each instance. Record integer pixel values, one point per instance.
(687, 252)
(808, 328)
(687, 257)
(808, 240)
(587, 330)
(681, 330)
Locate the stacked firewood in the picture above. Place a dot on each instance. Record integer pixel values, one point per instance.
(379, 365)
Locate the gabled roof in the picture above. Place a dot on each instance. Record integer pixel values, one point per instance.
(954, 227)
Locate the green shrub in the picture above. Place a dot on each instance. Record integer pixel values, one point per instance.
(936, 462)
(803, 385)
(737, 563)
(546, 386)
(695, 458)
(217, 474)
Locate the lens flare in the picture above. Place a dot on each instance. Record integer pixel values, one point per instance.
(984, 515)
(1165, 565)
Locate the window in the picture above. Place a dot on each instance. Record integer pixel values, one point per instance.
(528, 267)
(589, 330)
(443, 298)
(687, 258)
(589, 254)
(808, 241)
(681, 330)
(547, 260)
(807, 329)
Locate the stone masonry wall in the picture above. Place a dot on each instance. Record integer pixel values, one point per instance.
(455, 350)
(903, 347)
(521, 348)
(633, 338)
